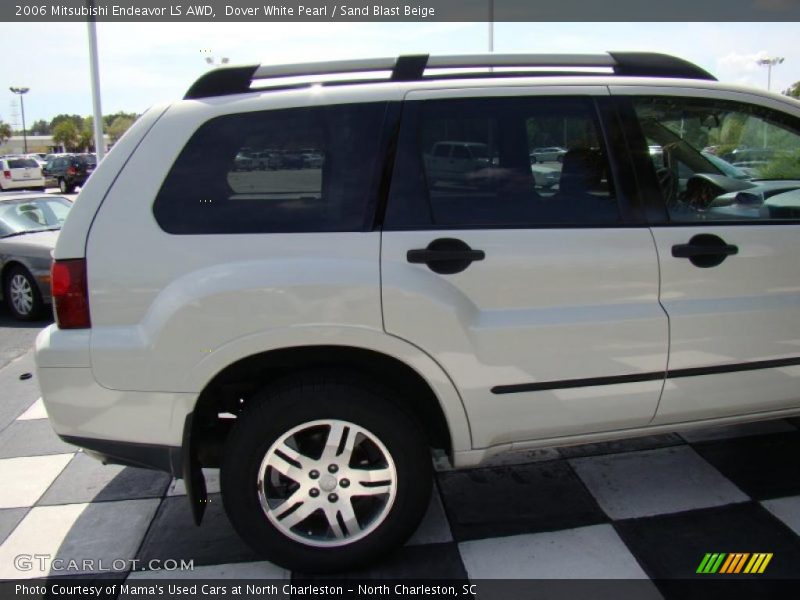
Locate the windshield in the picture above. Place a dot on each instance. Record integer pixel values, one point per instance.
(32, 214)
(720, 137)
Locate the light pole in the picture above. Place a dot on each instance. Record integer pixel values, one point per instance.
(21, 91)
(491, 26)
(94, 71)
(769, 63)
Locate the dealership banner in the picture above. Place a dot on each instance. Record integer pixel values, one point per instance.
(398, 10)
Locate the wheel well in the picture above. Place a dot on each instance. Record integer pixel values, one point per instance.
(231, 389)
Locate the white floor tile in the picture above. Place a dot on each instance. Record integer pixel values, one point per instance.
(654, 482)
(41, 532)
(36, 411)
(594, 552)
(26, 478)
(787, 510)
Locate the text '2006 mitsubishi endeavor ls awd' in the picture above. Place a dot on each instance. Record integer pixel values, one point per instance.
(314, 324)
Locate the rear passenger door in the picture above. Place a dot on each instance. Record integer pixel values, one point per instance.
(539, 300)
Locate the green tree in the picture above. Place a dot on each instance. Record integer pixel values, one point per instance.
(76, 120)
(86, 135)
(109, 119)
(118, 127)
(5, 132)
(40, 127)
(793, 90)
(66, 134)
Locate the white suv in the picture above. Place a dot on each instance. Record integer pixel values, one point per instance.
(315, 327)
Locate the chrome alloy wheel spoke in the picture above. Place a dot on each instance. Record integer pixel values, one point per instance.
(327, 483)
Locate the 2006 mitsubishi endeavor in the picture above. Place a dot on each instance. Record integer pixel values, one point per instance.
(314, 329)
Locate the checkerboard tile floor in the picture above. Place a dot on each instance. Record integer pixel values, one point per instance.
(641, 509)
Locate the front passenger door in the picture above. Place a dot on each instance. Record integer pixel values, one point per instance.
(729, 247)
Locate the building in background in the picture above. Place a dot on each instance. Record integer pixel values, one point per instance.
(36, 143)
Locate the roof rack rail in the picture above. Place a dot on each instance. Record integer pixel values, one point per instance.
(238, 80)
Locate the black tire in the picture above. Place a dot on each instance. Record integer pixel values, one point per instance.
(37, 306)
(62, 186)
(303, 399)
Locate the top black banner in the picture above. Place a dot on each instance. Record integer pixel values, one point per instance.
(399, 10)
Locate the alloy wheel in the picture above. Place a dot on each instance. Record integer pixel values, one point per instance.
(327, 483)
(21, 294)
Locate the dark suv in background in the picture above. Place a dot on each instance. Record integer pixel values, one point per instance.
(70, 170)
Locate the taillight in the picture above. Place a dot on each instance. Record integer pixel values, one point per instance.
(70, 293)
(72, 171)
(7, 174)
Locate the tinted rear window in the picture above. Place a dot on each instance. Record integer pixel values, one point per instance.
(22, 163)
(86, 159)
(294, 170)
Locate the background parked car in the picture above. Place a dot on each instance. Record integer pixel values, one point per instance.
(245, 161)
(29, 226)
(70, 170)
(20, 173)
(549, 154)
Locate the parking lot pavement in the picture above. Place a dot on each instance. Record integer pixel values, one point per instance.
(643, 509)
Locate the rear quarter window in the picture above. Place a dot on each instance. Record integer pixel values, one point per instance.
(279, 171)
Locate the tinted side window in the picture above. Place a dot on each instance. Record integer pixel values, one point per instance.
(294, 170)
(718, 160)
(492, 177)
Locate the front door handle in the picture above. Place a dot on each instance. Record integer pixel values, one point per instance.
(705, 250)
(446, 256)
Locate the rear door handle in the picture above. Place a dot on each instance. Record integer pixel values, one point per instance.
(445, 256)
(705, 250)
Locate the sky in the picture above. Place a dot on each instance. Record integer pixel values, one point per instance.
(145, 63)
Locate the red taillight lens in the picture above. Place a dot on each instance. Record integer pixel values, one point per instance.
(70, 293)
(72, 171)
(7, 174)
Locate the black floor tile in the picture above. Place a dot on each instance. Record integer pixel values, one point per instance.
(513, 500)
(647, 442)
(31, 438)
(174, 535)
(764, 466)
(671, 547)
(86, 480)
(9, 519)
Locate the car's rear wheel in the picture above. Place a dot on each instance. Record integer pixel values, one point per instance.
(22, 294)
(323, 474)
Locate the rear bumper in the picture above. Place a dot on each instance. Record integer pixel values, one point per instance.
(22, 184)
(122, 426)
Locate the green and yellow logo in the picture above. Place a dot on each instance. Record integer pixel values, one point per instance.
(734, 563)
